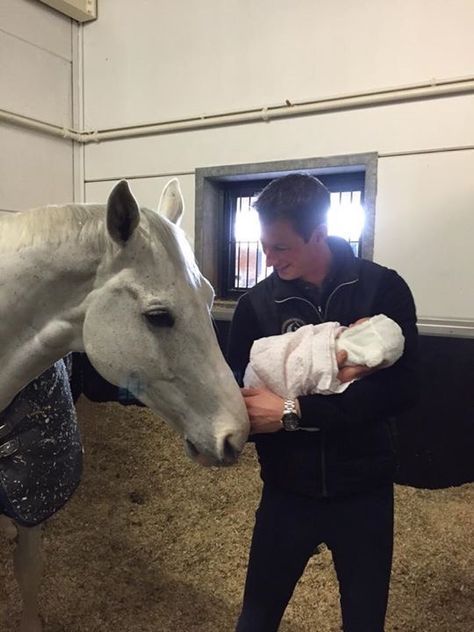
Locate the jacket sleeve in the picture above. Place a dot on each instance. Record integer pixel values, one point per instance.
(244, 330)
(385, 392)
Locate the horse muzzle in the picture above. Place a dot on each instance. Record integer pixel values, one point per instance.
(226, 452)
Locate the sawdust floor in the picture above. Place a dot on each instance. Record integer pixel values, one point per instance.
(153, 543)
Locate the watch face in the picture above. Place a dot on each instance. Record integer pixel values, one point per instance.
(290, 421)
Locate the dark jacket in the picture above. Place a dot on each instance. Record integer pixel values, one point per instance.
(352, 448)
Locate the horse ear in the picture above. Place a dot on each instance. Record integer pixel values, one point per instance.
(123, 213)
(171, 203)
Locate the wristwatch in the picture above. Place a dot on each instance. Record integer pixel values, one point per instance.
(290, 419)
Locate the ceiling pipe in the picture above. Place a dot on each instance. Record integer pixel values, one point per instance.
(427, 90)
(267, 114)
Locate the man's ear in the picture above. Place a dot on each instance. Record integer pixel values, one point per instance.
(319, 234)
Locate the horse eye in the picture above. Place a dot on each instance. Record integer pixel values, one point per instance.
(160, 318)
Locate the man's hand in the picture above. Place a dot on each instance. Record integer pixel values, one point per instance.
(264, 409)
(349, 373)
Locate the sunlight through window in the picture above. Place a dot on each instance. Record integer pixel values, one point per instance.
(250, 266)
(346, 217)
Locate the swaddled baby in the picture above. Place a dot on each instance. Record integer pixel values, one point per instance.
(304, 361)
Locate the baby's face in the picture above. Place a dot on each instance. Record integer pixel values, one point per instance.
(359, 322)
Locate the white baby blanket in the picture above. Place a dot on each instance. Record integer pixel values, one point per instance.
(377, 341)
(304, 361)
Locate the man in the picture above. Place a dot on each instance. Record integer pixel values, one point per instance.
(327, 462)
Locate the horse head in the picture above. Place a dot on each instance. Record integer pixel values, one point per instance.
(148, 327)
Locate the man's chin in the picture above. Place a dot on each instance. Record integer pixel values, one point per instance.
(286, 275)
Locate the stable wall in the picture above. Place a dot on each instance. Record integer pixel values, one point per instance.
(36, 81)
(165, 61)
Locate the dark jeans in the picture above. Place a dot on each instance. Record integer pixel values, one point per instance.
(359, 531)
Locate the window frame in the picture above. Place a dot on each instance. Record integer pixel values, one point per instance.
(211, 216)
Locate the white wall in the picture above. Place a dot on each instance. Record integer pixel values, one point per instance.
(425, 228)
(36, 81)
(163, 60)
(168, 59)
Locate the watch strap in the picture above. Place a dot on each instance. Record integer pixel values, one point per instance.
(290, 420)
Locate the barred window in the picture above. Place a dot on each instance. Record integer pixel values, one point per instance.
(227, 231)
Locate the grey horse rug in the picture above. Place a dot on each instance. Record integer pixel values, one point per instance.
(40, 449)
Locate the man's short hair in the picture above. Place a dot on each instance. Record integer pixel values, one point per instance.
(298, 198)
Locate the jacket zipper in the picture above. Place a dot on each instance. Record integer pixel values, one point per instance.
(333, 292)
(324, 489)
(322, 317)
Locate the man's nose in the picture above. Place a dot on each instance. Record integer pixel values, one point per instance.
(270, 260)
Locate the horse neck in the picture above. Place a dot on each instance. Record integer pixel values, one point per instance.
(43, 294)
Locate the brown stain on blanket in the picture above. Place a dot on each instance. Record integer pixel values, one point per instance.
(154, 543)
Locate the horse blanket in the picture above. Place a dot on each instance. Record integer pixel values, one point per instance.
(40, 449)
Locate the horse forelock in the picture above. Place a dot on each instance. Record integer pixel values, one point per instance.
(161, 231)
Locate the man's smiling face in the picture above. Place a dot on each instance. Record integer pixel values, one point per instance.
(288, 253)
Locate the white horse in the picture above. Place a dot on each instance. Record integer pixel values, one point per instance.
(121, 284)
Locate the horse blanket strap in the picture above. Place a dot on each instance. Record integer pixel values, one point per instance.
(9, 447)
(40, 449)
(5, 429)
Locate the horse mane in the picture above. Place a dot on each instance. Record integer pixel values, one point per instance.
(85, 223)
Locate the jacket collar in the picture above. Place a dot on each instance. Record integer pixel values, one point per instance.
(344, 269)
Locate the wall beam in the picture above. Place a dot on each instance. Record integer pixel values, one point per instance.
(80, 10)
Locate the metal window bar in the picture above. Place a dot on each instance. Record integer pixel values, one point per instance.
(249, 263)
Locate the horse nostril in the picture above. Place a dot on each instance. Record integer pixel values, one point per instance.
(230, 452)
(192, 450)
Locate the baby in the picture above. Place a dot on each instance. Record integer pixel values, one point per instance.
(304, 361)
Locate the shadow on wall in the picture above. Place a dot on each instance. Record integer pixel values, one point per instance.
(435, 440)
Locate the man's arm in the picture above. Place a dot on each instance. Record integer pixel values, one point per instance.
(244, 329)
(381, 393)
(384, 392)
